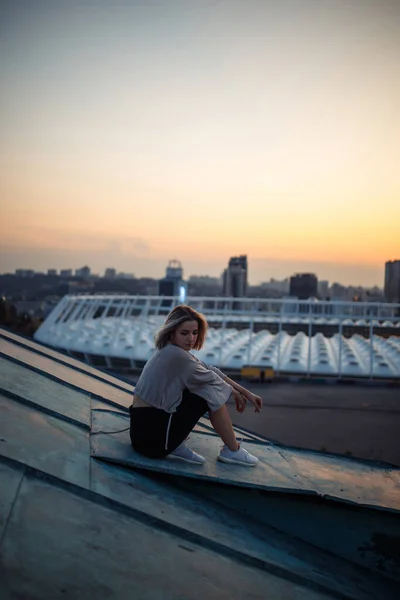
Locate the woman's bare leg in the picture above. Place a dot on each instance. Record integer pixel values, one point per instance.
(222, 424)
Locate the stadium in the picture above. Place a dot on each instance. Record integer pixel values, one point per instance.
(259, 338)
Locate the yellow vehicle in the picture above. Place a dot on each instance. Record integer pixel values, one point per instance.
(269, 374)
(253, 373)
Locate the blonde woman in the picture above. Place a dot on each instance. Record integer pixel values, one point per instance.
(176, 389)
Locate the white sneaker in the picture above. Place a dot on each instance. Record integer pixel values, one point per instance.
(240, 457)
(186, 454)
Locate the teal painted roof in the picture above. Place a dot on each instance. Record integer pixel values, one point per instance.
(81, 514)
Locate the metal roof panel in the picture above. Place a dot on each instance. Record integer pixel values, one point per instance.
(44, 442)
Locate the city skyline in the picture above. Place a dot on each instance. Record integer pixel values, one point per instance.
(137, 132)
(102, 273)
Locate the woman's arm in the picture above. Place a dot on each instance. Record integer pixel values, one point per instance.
(240, 393)
(255, 400)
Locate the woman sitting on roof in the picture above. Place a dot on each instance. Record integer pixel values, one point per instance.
(176, 389)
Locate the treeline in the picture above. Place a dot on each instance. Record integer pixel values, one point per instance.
(24, 324)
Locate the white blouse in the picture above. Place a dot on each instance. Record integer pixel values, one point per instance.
(170, 370)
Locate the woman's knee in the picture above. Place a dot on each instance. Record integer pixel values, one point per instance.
(149, 450)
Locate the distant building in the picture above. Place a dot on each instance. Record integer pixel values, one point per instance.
(33, 308)
(338, 291)
(173, 284)
(83, 272)
(303, 286)
(204, 285)
(24, 272)
(355, 294)
(204, 280)
(110, 273)
(375, 294)
(235, 277)
(80, 287)
(323, 289)
(52, 272)
(392, 281)
(49, 304)
(275, 287)
(66, 273)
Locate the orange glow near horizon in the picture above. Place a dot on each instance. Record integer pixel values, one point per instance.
(242, 128)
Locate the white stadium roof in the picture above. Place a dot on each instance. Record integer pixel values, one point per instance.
(118, 332)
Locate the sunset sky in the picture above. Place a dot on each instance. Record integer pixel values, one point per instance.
(133, 132)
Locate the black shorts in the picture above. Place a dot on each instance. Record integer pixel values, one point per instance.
(156, 433)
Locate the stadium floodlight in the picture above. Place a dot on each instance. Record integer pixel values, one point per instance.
(182, 294)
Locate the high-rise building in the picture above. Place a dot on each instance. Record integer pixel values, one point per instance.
(392, 281)
(172, 284)
(303, 286)
(235, 277)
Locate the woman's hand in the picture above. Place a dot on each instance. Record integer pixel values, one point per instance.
(255, 400)
(240, 400)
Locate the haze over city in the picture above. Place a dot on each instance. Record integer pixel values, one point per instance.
(136, 132)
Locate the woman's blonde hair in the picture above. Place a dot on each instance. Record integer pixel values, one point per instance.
(176, 317)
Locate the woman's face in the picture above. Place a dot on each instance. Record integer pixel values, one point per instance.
(185, 335)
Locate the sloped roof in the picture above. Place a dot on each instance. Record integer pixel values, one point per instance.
(81, 514)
